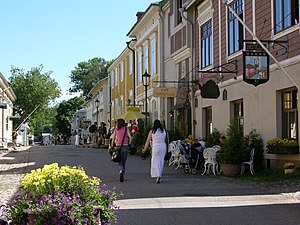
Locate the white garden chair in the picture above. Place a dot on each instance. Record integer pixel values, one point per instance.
(250, 163)
(210, 156)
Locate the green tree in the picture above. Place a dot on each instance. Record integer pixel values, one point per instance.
(43, 122)
(65, 112)
(34, 90)
(86, 75)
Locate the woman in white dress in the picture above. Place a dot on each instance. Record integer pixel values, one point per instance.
(159, 138)
(77, 138)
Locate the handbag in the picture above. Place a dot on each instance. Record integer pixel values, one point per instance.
(168, 154)
(116, 151)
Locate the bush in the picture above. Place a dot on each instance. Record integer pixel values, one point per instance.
(254, 140)
(233, 149)
(174, 134)
(213, 138)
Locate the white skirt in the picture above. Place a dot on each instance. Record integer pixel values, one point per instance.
(76, 139)
(157, 160)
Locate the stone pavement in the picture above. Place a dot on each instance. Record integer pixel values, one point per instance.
(13, 164)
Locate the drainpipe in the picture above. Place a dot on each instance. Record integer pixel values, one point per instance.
(164, 100)
(182, 10)
(133, 69)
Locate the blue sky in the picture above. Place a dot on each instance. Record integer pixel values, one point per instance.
(61, 33)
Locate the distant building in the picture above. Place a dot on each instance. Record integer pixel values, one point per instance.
(7, 98)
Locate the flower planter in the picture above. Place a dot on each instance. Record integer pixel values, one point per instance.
(231, 170)
(282, 150)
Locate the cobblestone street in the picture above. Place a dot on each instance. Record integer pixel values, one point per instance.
(12, 168)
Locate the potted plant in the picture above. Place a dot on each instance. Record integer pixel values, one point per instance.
(232, 152)
(62, 195)
(282, 146)
(289, 167)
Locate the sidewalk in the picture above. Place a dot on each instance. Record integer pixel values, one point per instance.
(12, 168)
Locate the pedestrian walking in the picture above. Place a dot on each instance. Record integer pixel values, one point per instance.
(77, 138)
(117, 138)
(14, 139)
(93, 130)
(160, 142)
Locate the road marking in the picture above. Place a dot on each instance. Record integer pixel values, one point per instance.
(206, 202)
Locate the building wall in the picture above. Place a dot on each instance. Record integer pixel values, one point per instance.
(262, 105)
(6, 123)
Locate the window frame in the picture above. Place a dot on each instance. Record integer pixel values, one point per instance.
(289, 112)
(235, 34)
(153, 56)
(206, 36)
(279, 11)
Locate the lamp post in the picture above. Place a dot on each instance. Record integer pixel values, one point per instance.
(146, 81)
(97, 107)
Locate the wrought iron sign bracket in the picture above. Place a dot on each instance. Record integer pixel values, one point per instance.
(224, 68)
(280, 43)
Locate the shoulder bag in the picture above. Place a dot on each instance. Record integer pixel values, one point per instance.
(168, 154)
(116, 151)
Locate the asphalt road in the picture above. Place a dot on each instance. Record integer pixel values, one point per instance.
(180, 198)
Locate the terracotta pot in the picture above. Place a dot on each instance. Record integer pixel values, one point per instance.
(231, 170)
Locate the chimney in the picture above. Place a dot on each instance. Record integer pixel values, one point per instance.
(139, 15)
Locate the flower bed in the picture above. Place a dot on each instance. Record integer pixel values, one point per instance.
(62, 195)
(282, 146)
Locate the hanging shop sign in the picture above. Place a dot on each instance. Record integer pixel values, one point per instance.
(210, 90)
(164, 92)
(256, 65)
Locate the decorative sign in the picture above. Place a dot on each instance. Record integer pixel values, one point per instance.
(210, 90)
(133, 109)
(256, 65)
(164, 92)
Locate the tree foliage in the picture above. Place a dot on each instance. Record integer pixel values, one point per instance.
(65, 112)
(86, 75)
(43, 122)
(34, 90)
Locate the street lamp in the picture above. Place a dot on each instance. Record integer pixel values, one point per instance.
(146, 82)
(97, 107)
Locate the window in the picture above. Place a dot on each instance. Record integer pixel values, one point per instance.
(117, 107)
(238, 113)
(286, 14)
(112, 81)
(235, 28)
(208, 121)
(116, 77)
(290, 114)
(206, 44)
(130, 64)
(146, 58)
(178, 13)
(196, 102)
(140, 68)
(153, 56)
(121, 104)
(122, 71)
(154, 111)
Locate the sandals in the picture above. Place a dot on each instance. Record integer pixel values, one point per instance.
(158, 180)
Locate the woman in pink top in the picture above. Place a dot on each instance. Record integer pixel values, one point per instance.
(119, 133)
